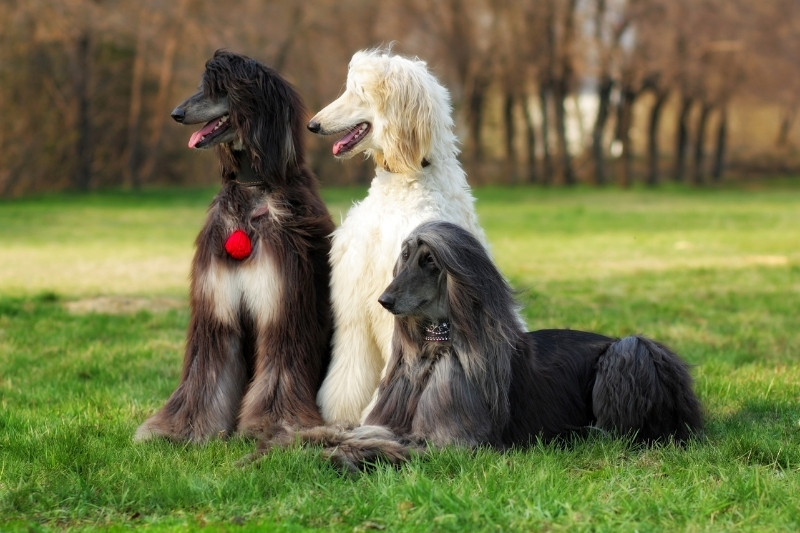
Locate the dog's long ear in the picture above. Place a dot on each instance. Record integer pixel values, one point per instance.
(273, 126)
(267, 111)
(408, 108)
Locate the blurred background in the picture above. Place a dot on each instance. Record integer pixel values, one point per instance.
(544, 91)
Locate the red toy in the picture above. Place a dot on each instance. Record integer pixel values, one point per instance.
(238, 245)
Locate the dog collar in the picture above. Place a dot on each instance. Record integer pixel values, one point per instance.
(437, 332)
(246, 177)
(425, 164)
(248, 183)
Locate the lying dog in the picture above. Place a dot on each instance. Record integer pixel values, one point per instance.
(464, 373)
(258, 339)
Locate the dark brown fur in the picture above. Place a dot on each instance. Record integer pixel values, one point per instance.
(494, 384)
(258, 339)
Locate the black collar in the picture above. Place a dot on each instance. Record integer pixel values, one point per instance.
(246, 176)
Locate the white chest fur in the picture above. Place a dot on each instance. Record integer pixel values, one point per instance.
(252, 285)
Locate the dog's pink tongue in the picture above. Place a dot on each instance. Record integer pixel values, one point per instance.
(202, 132)
(344, 141)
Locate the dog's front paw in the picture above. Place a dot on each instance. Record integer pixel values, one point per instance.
(160, 426)
(146, 432)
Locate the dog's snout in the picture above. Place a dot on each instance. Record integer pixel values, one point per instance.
(387, 301)
(314, 126)
(178, 114)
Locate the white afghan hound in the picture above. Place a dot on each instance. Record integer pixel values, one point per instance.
(394, 110)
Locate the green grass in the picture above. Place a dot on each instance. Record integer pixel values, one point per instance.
(92, 322)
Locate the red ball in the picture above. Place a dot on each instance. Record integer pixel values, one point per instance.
(238, 245)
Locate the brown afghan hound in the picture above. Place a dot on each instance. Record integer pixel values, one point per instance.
(258, 339)
(464, 373)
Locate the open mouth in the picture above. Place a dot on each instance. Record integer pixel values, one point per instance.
(213, 129)
(353, 137)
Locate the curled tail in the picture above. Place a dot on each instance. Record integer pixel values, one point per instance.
(366, 445)
(642, 388)
(350, 449)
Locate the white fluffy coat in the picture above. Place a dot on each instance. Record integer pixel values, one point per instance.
(409, 134)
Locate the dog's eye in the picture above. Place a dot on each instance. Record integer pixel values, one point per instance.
(404, 254)
(427, 260)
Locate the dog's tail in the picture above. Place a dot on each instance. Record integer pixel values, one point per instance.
(365, 446)
(643, 389)
(350, 449)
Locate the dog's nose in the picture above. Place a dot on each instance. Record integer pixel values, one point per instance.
(178, 114)
(314, 126)
(387, 301)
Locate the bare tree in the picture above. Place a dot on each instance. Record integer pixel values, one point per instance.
(81, 79)
(686, 82)
(655, 50)
(135, 108)
(771, 61)
(516, 46)
(557, 75)
(661, 95)
(721, 147)
(90, 84)
(609, 28)
(700, 142)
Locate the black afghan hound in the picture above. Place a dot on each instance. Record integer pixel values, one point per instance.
(258, 339)
(463, 372)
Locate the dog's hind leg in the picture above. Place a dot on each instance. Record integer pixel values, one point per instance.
(642, 387)
(214, 374)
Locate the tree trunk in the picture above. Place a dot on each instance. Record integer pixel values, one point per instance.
(653, 153)
(787, 120)
(161, 105)
(560, 100)
(510, 136)
(83, 148)
(562, 86)
(544, 102)
(477, 98)
(682, 139)
(285, 47)
(719, 153)
(603, 109)
(135, 109)
(623, 134)
(700, 144)
(530, 139)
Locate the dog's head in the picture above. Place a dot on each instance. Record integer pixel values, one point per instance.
(419, 287)
(388, 110)
(444, 272)
(246, 105)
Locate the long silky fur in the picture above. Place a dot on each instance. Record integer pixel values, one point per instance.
(258, 338)
(494, 384)
(417, 177)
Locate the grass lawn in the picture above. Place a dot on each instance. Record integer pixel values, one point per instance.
(92, 321)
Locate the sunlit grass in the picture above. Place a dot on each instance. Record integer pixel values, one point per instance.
(92, 321)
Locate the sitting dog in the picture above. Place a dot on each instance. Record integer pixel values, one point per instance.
(395, 111)
(464, 373)
(258, 339)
